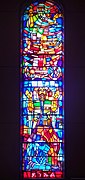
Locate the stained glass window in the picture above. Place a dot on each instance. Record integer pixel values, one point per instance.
(42, 91)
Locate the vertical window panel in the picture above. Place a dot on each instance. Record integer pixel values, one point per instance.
(42, 91)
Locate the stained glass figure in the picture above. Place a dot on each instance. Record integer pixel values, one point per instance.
(42, 91)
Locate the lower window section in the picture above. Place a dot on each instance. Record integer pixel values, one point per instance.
(42, 174)
(42, 132)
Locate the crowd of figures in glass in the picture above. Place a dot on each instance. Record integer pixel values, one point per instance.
(42, 91)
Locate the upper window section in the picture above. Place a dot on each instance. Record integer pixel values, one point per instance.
(42, 30)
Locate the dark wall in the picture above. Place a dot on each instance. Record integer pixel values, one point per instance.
(74, 88)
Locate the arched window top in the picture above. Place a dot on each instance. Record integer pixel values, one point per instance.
(43, 14)
(56, 6)
(39, 17)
